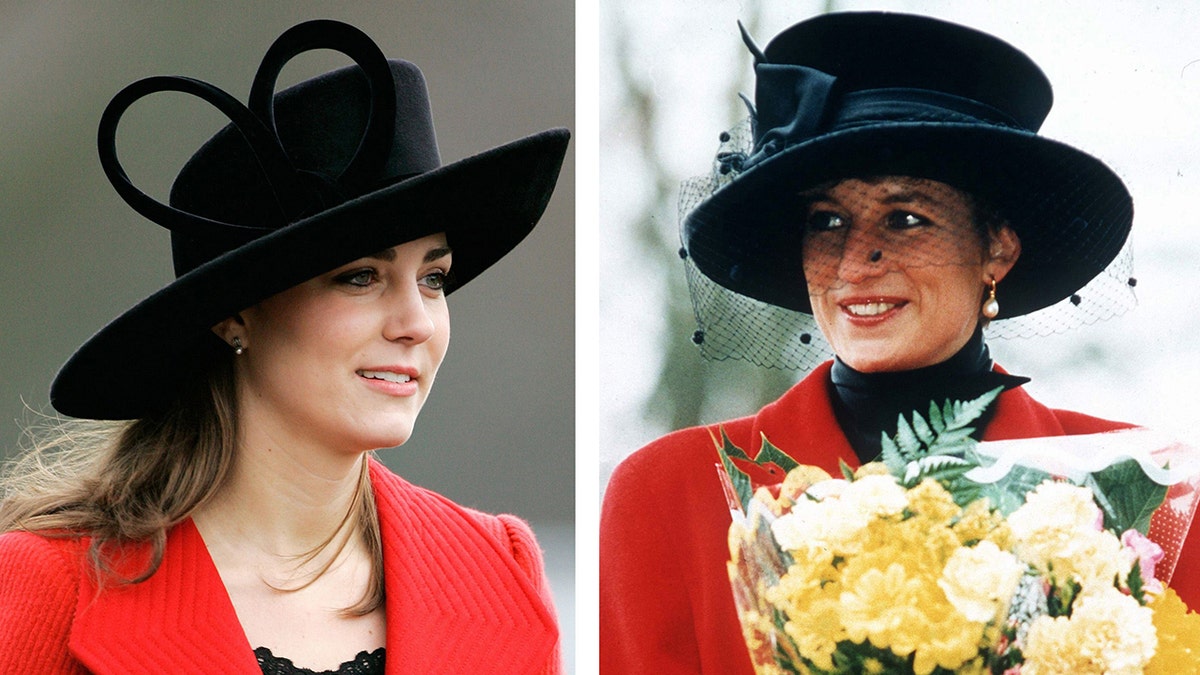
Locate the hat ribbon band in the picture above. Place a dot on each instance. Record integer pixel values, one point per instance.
(796, 104)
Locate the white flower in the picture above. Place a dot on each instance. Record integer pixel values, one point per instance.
(979, 581)
(1058, 531)
(876, 496)
(1055, 506)
(834, 523)
(1107, 632)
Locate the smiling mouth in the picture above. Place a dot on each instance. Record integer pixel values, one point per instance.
(385, 376)
(867, 309)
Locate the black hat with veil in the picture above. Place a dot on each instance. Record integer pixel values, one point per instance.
(867, 95)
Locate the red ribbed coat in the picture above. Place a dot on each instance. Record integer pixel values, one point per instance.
(665, 603)
(466, 592)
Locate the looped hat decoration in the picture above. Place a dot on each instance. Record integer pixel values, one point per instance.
(928, 99)
(338, 167)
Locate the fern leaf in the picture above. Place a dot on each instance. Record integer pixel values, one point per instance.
(907, 441)
(921, 428)
(935, 418)
(890, 455)
(964, 413)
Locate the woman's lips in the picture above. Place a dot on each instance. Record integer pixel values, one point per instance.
(869, 311)
(392, 381)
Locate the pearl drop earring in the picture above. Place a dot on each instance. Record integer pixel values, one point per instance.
(991, 307)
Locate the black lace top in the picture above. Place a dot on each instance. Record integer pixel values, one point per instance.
(364, 664)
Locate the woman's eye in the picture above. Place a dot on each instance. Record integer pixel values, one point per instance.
(824, 221)
(903, 220)
(361, 278)
(434, 281)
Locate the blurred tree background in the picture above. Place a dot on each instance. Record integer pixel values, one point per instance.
(670, 72)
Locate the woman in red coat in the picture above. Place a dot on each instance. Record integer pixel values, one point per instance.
(892, 189)
(237, 522)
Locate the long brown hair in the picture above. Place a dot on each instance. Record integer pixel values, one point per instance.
(121, 482)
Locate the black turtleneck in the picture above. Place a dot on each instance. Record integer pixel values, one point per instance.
(868, 404)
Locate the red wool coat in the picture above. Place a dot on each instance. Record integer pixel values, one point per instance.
(665, 603)
(466, 591)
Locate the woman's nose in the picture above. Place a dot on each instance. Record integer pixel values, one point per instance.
(409, 318)
(862, 255)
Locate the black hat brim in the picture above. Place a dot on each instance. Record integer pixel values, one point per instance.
(486, 204)
(1071, 211)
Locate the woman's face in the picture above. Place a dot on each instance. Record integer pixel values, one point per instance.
(896, 270)
(347, 359)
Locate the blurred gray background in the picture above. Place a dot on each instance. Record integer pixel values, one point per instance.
(498, 431)
(1126, 78)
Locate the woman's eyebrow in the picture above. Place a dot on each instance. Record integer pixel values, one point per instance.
(908, 197)
(386, 255)
(436, 253)
(389, 254)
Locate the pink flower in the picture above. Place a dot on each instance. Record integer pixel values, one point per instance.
(1015, 670)
(1149, 554)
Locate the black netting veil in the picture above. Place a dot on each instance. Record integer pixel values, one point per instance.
(879, 232)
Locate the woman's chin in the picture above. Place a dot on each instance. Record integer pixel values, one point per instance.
(883, 358)
(384, 438)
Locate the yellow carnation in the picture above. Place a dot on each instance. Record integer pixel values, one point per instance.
(872, 469)
(795, 484)
(1107, 633)
(930, 500)
(978, 522)
(1178, 637)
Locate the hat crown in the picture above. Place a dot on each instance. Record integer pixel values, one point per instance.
(289, 156)
(869, 94)
(881, 50)
(320, 124)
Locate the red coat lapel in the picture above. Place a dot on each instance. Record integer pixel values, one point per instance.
(456, 601)
(179, 620)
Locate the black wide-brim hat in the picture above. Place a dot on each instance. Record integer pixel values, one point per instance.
(864, 95)
(336, 168)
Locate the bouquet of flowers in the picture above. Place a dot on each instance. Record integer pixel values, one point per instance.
(952, 556)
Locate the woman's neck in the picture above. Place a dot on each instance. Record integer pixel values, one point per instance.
(283, 496)
(868, 405)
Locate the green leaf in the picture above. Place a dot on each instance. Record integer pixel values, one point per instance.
(737, 478)
(891, 456)
(1126, 495)
(769, 454)
(935, 418)
(941, 448)
(847, 472)
(906, 439)
(963, 413)
(1136, 587)
(921, 428)
(1008, 493)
